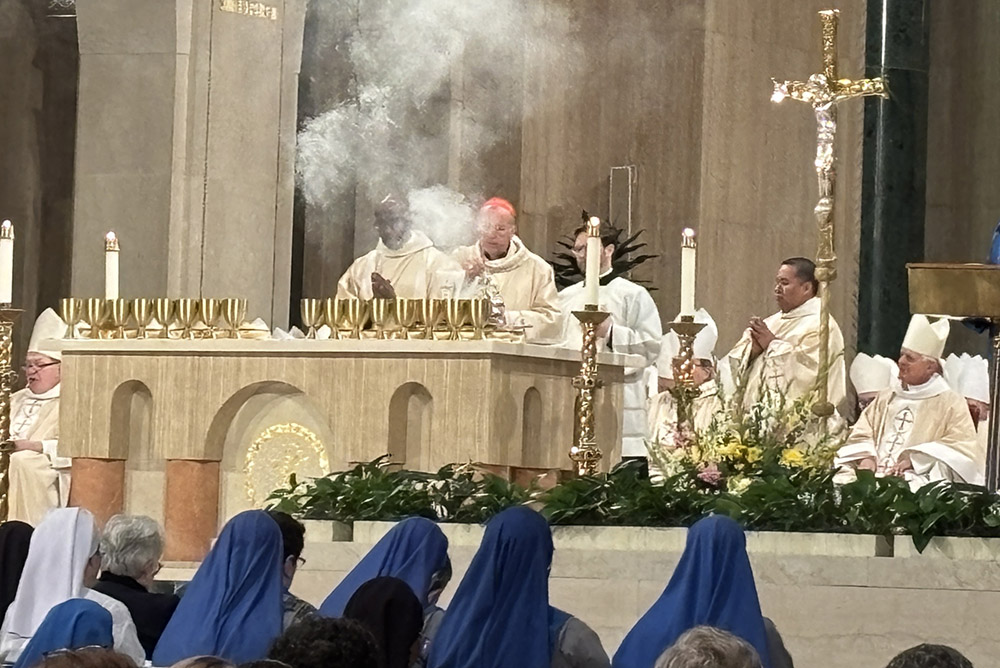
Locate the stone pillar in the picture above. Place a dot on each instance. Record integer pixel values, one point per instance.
(191, 513)
(99, 486)
(894, 173)
(186, 136)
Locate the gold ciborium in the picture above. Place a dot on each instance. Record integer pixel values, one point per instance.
(407, 311)
(356, 316)
(209, 310)
(456, 313)
(479, 314)
(163, 309)
(186, 312)
(234, 312)
(382, 310)
(332, 315)
(142, 311)
(71, 310)
(431, 312)
(95, 313)
(118, 313)
(312, 316)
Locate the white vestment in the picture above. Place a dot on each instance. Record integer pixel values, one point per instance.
(635, 330)
(527, 285)
(929, 423)
(417, 270)
(39, 481)
(60, 548)
(663, 413)
(791, 362)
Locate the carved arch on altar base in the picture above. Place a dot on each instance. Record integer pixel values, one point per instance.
(411, 415)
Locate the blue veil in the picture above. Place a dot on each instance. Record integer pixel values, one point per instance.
(500, 614)
(712, 585)
(233, 606)
(413, 551)
(72, 624)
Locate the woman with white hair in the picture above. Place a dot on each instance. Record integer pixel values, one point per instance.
(63, 561)
(131, 547)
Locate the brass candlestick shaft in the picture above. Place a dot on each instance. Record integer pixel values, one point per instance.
(585, 454)
(8, 316)
(684, 390)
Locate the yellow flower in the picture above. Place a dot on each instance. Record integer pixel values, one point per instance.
(737, 485)
(793, 457)
(732, 450)
(753, 455)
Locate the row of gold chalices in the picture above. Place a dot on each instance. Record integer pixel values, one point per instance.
(110, 318)
(394, 318)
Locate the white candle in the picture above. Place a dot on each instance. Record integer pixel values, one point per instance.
(6, 262)
(592, 278)
(111, 251)
(689, 253)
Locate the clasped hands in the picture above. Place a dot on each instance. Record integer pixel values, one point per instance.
(902, 465)
(760, 336)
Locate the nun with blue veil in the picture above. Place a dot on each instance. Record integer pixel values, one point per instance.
(713, 585)
(233, 606)
(74, 624)
(500, 616)
(416, 551)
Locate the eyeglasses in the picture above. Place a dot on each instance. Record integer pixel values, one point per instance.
(34, 366)
(299, 561)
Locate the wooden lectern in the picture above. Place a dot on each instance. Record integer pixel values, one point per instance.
(969, 291)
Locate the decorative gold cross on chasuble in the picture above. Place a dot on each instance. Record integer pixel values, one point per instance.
(823, 91)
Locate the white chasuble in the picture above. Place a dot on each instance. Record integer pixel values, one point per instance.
(417, 270)
(39, 481)
(663, 413)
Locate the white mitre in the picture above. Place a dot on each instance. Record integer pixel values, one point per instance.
(969, 376)
(926, 338)
(872, 373)
(46, 337)
(704, 343)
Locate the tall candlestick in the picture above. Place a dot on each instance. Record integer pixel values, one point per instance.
(689, 253)
(6, 262)
(593, 276)
(111, 251)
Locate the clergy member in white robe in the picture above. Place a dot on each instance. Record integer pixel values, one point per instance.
(633, 328)
(403, 264)
(780, 354)
(919, 429)
(870, 374)
(501, 267)
(38, 476)
(709, 402)
(970, 376)
(63, 562)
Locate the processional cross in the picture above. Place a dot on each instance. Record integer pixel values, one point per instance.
(823, 91)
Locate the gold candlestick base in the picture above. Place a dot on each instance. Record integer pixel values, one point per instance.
(585, 454)
(8, 316)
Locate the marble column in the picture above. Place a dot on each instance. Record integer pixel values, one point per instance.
(99, 486)
(191, 509)
(895, 167)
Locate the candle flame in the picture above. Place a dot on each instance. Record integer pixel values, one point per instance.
(7, 230)
(594, 227)
(688, 238)
(111, 242)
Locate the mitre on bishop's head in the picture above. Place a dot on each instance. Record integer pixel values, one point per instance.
(925, 337)
(871, 373)
(969, 376)
(704, 342)
(47, 335)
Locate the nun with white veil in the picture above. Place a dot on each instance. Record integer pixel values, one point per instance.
(63, 562)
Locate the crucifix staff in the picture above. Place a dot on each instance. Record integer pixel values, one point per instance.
(822, 92)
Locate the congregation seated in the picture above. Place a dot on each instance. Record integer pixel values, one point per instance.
(131, 548)
(500, 613)
(389, 609)
(293, 537)
(232, 608)
(324, 642)
(62, 564)
(73, 624)
(930, 656)
(415, 551)
(708, 646)
(712, 585)
(15, 537)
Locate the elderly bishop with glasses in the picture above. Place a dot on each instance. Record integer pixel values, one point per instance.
(39, 477)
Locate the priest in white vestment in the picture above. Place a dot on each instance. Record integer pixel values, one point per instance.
(633, 328)
(708, 403)
(403, 264)
(919, 429)
(780, 354)
(970, 376)
(38, 476)
(870, 374)
(501, 267)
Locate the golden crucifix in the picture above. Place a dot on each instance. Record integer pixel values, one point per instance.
(823, 91)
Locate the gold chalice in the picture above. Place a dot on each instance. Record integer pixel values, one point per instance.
(163, 309)
(312, 316)
(71, 310)
(142, 310)
(382, 310)
(209, 310)
(234, 312)
(479, 314)
(356, 316)
(186, 312)
(455, 314)
(432, 310)
(95, 313)
(407, 311)
(332, 315)
(118, 312)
